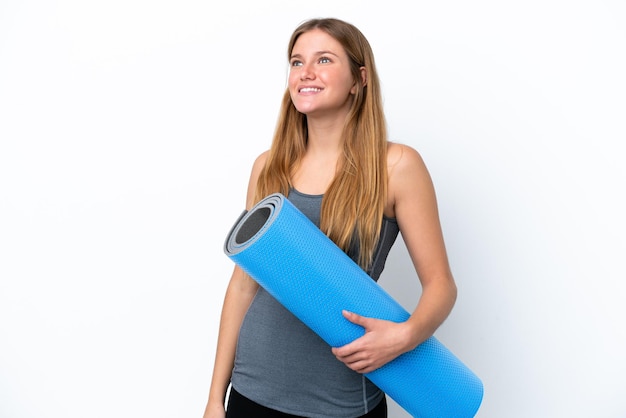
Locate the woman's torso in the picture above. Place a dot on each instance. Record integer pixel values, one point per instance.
(280, 363)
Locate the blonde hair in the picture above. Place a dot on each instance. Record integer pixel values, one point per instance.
(353, 205)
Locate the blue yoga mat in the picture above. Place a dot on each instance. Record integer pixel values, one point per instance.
(288, 255)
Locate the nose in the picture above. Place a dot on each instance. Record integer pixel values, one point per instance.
(306, 72)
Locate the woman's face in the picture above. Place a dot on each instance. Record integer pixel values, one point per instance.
(320, 81)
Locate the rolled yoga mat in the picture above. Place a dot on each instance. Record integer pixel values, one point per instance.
(289, 256)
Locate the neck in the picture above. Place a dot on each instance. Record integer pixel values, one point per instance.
(325, 136)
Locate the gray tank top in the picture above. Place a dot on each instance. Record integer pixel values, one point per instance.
(281, 364)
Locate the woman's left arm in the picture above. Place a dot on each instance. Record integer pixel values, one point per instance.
(414, 203)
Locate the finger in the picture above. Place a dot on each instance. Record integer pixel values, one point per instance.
(360, 366)
(355, 318)
(344, 352)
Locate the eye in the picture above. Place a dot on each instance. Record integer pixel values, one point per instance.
(324, 60)
(296, 63)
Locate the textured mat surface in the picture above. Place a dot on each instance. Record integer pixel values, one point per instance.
(314, 279)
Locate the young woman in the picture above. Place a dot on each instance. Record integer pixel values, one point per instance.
(330, 156)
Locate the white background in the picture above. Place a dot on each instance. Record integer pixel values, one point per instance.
(128, 128)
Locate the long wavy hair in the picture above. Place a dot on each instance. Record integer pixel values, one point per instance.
(353, 205)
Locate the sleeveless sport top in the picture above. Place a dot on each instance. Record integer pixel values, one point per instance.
(281, 364)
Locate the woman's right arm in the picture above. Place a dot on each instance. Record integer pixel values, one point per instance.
(239, 294)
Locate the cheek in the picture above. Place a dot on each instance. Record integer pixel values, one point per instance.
(293, 79)
(292, 83)
(350, 84)
(343, 82)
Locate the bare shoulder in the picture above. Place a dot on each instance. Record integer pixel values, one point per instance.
(259, 162)
(257, 167)
(409, 180)
(403, 160)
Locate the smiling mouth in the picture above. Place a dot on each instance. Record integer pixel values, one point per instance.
(310, 90)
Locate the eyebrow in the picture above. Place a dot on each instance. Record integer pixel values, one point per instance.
(318, 53)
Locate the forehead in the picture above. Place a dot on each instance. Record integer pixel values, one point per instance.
(315, 41)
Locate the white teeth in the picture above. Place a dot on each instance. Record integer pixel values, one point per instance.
(309, 89)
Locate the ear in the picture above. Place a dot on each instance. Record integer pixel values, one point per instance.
(363, 72)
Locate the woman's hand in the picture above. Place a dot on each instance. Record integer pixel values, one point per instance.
(214, 411)
(382, 342)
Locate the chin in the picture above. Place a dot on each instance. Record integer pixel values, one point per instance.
(305, 110)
